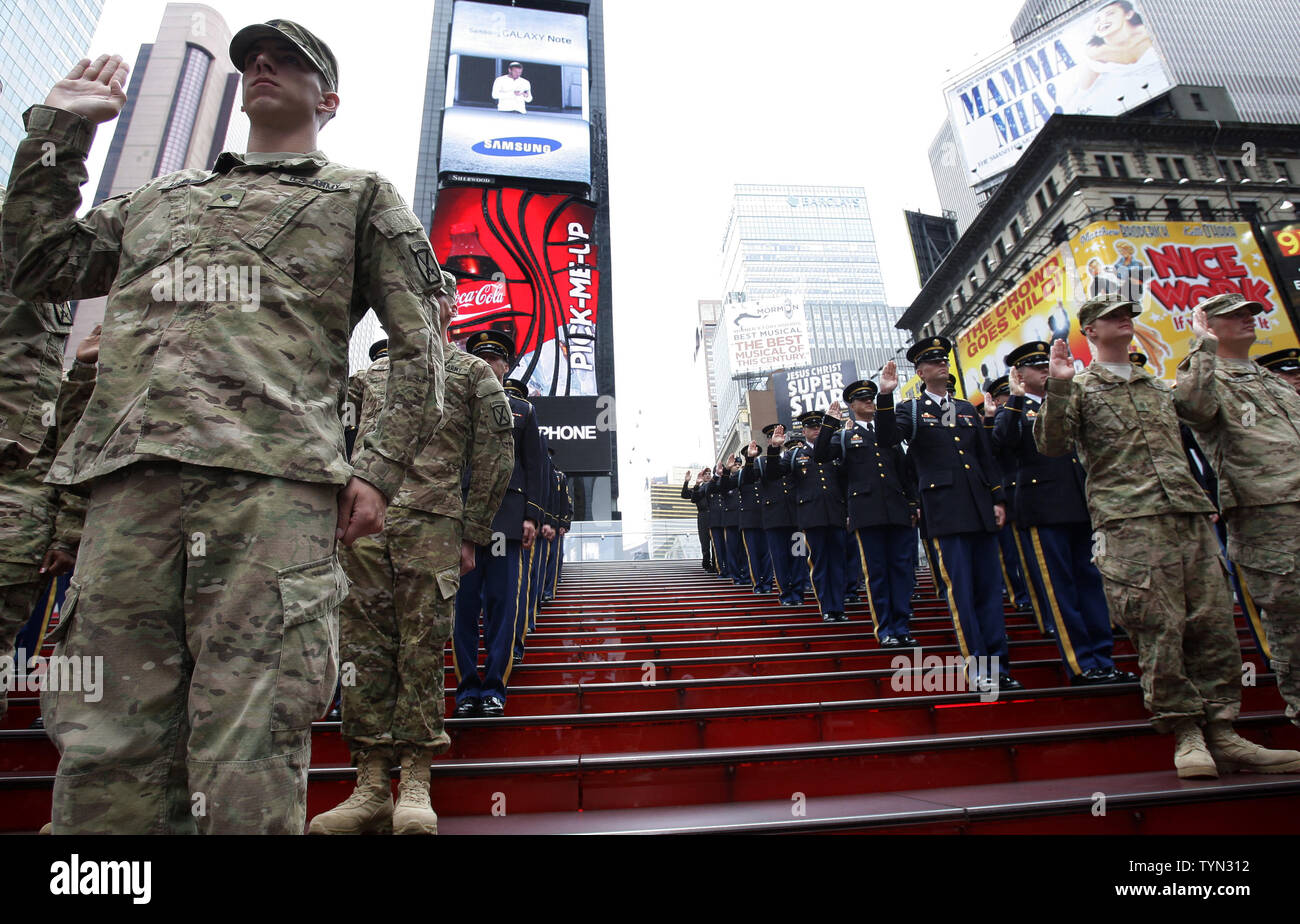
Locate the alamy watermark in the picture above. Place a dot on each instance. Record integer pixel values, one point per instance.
(56, 673)
(214, 283)
(952, 674)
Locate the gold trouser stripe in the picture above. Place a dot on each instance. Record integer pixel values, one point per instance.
(866, 578)
(811, 580)
(521, 586)
(776, 578)
(1252, 613)
(952, 603)
(49, 611)
(1062, 635)
(932, 557)
(749, 559)
(1036, 603)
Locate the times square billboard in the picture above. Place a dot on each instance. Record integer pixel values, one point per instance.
(518, 95)
(1102, 61)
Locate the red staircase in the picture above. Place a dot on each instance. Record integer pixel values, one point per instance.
(658, 698)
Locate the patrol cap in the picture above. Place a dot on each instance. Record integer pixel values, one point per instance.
(1000, 386)
(861, 390)
(811, 419)
(316, 52)
(1228, 302)
(516, 387)
(1137, 359)
(490, 343)
(378, 348)
(1281, 360)
(1103, 305)
(931, 349)
(448, 284)
(1033, 353)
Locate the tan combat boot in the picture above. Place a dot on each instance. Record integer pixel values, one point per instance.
(370, 807)
(1191, 757)
(414, 814)
(1234, 753)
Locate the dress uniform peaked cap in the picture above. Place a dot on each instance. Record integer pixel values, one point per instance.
(930, 349)
(1033, 353)
(861, 391)
(811, 419)
(378, 348)
(1137, 359)
(1281, 360)
(769, 429)
(1000, 386)
(516, 387)
(490, 343)
(316, 52)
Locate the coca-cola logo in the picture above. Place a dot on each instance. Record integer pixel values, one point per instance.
(491, 294)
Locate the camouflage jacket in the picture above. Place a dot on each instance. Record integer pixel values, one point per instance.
(35, 516)
(1248, 421)
(1126, 436)
(464, 467)
(32, 340)
(231, 297)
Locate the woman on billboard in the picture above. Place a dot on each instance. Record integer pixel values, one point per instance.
(1119, 56)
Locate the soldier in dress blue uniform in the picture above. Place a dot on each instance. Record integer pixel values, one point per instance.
(820, 516)
(497, 587)
(700, 498)
(717, 500)
(729, 484)
(882, 509)
(958, 486)
(1053, 510)
(1285, 363)
(1013, 576)
(752, 538)
(777, 493)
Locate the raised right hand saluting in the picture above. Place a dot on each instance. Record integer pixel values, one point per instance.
(1062, 363)
(778, 437)
(889, 378)
(93, 89)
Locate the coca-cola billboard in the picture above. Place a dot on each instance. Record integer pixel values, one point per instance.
(526, 265)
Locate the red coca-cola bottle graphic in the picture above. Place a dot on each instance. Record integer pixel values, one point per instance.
(482, 299)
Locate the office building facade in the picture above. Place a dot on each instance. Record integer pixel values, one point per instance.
(40, 40)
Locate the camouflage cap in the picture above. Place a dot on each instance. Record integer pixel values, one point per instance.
(1228, 302)
(316, 52)
(1103, 305)
(448, 284)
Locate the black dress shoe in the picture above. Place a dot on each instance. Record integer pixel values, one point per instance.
(38, 723)
(908, 641)
(840, 616)
(1010, 683)
(468, 709)
(334, 715)
(493, 707)
(1115, 675)
(828, 617)
(518, 657)
(890, 641)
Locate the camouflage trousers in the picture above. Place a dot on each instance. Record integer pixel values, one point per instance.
(1264, 544)
(1166, 585)
(212, 597)
(18, 592)
(394, 628)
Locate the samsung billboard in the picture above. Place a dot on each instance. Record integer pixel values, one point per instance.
(517, 101)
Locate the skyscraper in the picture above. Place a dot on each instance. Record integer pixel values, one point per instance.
(514, 194)
(40, 40)
(814, 245)
(178, 115)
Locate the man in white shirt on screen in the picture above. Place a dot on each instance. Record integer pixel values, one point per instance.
(511, 91)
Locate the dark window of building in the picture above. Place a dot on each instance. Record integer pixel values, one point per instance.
(1282, 171)
(1249, 209)
(1103, 165)
(1052, 194)
(1015, 230)
(988, 269)
(1181, 166)
(1121, 168)
(1041, 200)
(1126, 206)
(1199, 102)
(1205, 210)
(1001, 249)
(1175, 210)
(1162, 164)
(1225, 169)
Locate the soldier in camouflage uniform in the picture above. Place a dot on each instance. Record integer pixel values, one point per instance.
(1153, 543)
(1248, 420)
(212, 445)
(396, 621)
(40, 525)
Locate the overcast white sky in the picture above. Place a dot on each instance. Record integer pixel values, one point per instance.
(702, 94)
